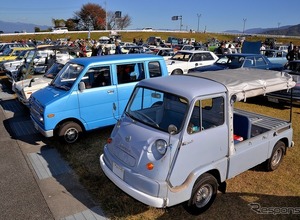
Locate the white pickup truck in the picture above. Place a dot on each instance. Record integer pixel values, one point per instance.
(180, 137)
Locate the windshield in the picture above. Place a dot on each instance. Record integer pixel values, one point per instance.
(182, 56)
(53, 70)
(157, 109)
(67, 76)
(231, 61)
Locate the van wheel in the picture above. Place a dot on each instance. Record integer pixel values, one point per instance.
(203, 194)
(177, 72)
(69, 132)
(276, 157)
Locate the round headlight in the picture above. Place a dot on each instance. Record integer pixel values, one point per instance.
(161, 146)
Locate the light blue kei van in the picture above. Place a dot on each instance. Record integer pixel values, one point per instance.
(82, 95)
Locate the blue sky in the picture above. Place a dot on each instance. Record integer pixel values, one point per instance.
(216, 15)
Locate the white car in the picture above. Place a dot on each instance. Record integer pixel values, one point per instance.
(184, 60)
(26, 87)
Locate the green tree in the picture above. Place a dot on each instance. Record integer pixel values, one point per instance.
(37, 29)
(58, 22)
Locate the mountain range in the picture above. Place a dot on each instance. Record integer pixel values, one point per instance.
(288, 30)
(11, 27)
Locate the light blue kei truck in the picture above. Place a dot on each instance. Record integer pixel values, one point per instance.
(82, 95)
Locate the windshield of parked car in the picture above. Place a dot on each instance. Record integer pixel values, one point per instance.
(53, 70)
(181, 56)
(67, 76)
(231, 61)
(157, 109)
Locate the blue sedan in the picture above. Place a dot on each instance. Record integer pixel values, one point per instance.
(240, 60)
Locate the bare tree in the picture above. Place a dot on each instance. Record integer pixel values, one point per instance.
(91, 16)
(124, 22)
(117, 23)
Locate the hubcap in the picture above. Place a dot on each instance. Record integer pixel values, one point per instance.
(204, 195)
(71, 135)
(276, 157)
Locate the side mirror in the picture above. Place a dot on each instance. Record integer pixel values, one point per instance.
(172, 129)
(81, 86)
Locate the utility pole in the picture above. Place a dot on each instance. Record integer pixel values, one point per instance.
(244, 19)
(199, 16)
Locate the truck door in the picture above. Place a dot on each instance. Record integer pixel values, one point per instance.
(95, 101)
(205, 139)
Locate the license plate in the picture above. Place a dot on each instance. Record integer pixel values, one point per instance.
(119, 171)
(271, 99)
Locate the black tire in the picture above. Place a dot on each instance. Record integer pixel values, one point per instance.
(177, 72)
(203, 194)
(276, 157)
(69, 132)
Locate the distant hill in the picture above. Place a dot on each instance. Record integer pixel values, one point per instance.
(11, 27)
(288, 30)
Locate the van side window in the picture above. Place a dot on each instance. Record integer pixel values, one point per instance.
(207, 113)
(154, 69)
(131, 72)
(97, 77)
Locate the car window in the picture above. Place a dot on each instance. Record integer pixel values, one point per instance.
(248, 62)
(207, 113)
(207, 56)
(131, 72)
(260, 61)
(97, 77)
(154, 69)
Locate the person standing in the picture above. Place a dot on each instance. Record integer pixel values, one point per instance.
(118, 48)
(290, 47)
(293, 54)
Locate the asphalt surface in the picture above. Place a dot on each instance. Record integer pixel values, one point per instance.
(35, 182)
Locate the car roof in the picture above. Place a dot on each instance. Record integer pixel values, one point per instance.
(121, 58)
(184, 85)
(194, 51)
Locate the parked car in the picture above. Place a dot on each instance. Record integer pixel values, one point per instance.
(183, 60)
(165, 52)
(293, 68)
(275, 56)
(80, 97)
(12, 53)
(181, 138)
(240, 60)
(25, 88)
(5, 46)
(12, 65)
(38, 60)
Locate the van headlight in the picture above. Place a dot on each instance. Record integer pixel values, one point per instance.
(161, 146)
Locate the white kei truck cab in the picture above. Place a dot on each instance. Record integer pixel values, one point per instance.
(180, 137)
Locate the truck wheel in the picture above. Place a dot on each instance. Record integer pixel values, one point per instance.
(203, 194)
(177, 72)
(69, 132)
(276, 157)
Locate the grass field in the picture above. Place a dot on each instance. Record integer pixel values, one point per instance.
(279, 189)
(128, 36)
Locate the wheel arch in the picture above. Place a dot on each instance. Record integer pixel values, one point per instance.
(69, 120)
